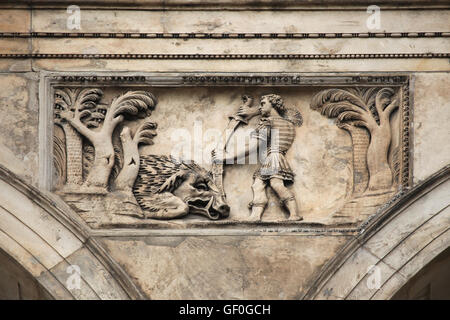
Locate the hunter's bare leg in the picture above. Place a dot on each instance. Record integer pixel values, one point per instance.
(259, 199)
(287, 198)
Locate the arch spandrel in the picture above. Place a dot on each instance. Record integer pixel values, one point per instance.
(393, 247)
(50, 245)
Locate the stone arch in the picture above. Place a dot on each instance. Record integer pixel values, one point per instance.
(16, 283)
(399, 242)
(45, 237)
(430, 283)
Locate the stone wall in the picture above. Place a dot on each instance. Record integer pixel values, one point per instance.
(324, 39)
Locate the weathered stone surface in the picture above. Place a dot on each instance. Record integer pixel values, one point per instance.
(419, 213)
(15, 20)
(223, 267)
(15, 46)
(231, 46)
(420, 239)
(355, 269)
(96, 276)
(370, 283)
(53, 285)
(423, 257)
(238, 21)
(21, 255)
(370, 269)
(390, 288)
(431, 282)
(19, 124)
(431, 119)
(24, 215)
(375, 65)
(80, 290)
(15, 65)
(29, 239)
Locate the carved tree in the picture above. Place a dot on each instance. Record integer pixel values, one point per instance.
(360, 141)
(131, 159)
(82, 104)
(369, 108)
(130, 104)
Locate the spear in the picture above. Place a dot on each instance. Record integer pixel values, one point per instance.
(233, 124)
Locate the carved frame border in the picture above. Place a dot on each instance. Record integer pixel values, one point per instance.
(278, 5)
(225, 35)
(245, 56)
(50, 80)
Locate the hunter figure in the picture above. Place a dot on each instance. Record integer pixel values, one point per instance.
(275, 135)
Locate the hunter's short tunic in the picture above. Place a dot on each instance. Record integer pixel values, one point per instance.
(277, 134)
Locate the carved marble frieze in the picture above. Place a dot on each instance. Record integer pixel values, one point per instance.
(198, 150)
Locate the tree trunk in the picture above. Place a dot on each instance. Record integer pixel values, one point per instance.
(380, 174)
(360, 143)
(103, 162)
(74, 150)
(131, 159)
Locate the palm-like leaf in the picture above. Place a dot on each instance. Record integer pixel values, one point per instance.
(82, 101)
(63, 102)
(337, 95)
(85, 113)
(383, 97)
(133, 103)
(368, 95)
(333, 109)
(350, 105)
(97, 115)
(64, 98)
(145, 133)
(349, 115)
(88, 98)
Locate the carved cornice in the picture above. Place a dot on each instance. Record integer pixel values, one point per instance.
(219, 36)
(205, 79)
(231, 4)
(155, 56)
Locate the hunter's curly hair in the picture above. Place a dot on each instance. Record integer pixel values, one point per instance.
(277, 102)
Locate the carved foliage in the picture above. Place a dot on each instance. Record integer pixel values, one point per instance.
(82, 117)
(369, 108)
(82, 105)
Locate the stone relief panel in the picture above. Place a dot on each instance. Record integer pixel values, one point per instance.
(220, 151)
